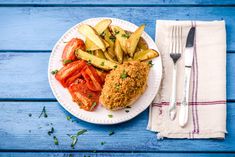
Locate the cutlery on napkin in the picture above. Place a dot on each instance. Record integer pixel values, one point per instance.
(207, 91)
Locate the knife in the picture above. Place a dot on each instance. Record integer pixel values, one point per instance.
(188, 60)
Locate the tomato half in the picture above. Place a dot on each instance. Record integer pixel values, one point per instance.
(87, 99)
(69, 49)
(69, 70)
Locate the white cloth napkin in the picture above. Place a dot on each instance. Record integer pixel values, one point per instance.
(207, 110)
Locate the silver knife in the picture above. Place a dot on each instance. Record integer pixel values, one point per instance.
(188, 61)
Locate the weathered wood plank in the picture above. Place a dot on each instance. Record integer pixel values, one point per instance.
(38, 28)
(122, 2)
(19, 132)
(115, 154)
(24, 75)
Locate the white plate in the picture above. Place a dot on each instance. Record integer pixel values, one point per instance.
(100, 115)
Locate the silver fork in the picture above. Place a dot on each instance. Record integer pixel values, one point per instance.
(175, 53)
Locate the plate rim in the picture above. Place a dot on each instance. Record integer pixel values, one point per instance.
(143, 108)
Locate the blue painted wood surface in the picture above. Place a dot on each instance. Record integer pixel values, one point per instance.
(30, 28)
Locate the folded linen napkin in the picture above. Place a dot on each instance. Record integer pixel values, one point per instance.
(207, 109)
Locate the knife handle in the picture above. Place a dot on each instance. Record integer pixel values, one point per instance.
(183, 113)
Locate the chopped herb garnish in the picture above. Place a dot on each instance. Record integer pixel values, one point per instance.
(102, 64)
(115, 66)
(110, 116)
(51, 131)
(124, 74)
(75, 137)
(65, 41)
(56, 140)
(89, 61)
(89, 95)
(127, 111)
(54, 72)
(126, 35)
(30, 115)
(93, 106)
(68, 117)
(102, 143)
(44, 113)
(128, 107)
(111, 133)
(112, 38)
(66, 61)
(117, 86)
(116, 32)
(150, 63)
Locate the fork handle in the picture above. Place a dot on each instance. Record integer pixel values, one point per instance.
(172, 105)
(183, 113)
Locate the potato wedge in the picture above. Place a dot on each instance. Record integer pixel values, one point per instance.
(102, 26)
(109, 57)
(108, 37)
(145, 54)
(133, 40)
(90, 46)
(90, 33)
(96, 61)
(118, 51)
(99, 53)
(142, 44)
(121, 36)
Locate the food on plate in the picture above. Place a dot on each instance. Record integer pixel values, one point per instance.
(124, 85)
(69, 50)
(108, 66)
(91, 34)
(133, 40)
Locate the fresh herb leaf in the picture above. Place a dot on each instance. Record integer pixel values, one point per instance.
(102, 64)
(80, 132)
(116, 32)
(112, 38)
(74, 140)
(102, 143)
(115, 66)
(117, 86)
(93, 106)
(68, 117)
(56, 140)
(150, 63)
(51, 131)
(89, 61)
(127, 111)
(111, 133)
(30, 115)
(66, 61)
(65, 41)
(124, 74)
(44, 113)
(126, 35)
(110, 116)
(54, 72)
(89, 95)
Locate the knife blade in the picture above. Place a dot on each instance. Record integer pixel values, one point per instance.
(188, 60)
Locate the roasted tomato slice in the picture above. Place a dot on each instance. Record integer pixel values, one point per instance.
(69, 50)
(87, 99)
(69, 70)
(92, 78)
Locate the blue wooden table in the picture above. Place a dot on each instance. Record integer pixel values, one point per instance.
(28, 31)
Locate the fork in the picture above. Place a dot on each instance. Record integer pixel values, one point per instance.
(175, 54)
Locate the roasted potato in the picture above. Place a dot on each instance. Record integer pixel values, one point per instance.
(142, 45)
(91, 34)
(118, 51)
(145, 55)
(109, 57)
(96, 61)
(90, 46)
(121, 36)
(132, 41)
(99, 53)
(102, 26)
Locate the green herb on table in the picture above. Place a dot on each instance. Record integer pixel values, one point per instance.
(80, 132)
(150, 64)
(93, 106)
(124, 74)
(56, 142)
(44, 113)
(68, 117)
(112, 38)
(102, 143)
(51, 131)
(111, 133)
(66, 61)
(75, 137)
(110, 116)
(54, 72)
(30, 115)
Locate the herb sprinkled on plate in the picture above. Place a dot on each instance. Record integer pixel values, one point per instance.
(112, 38)
(150, 63)
(66, 61)
(110, 116)
(93, 106)
(125, 36)
(124, 74)
(102, 64)
(54, 72)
